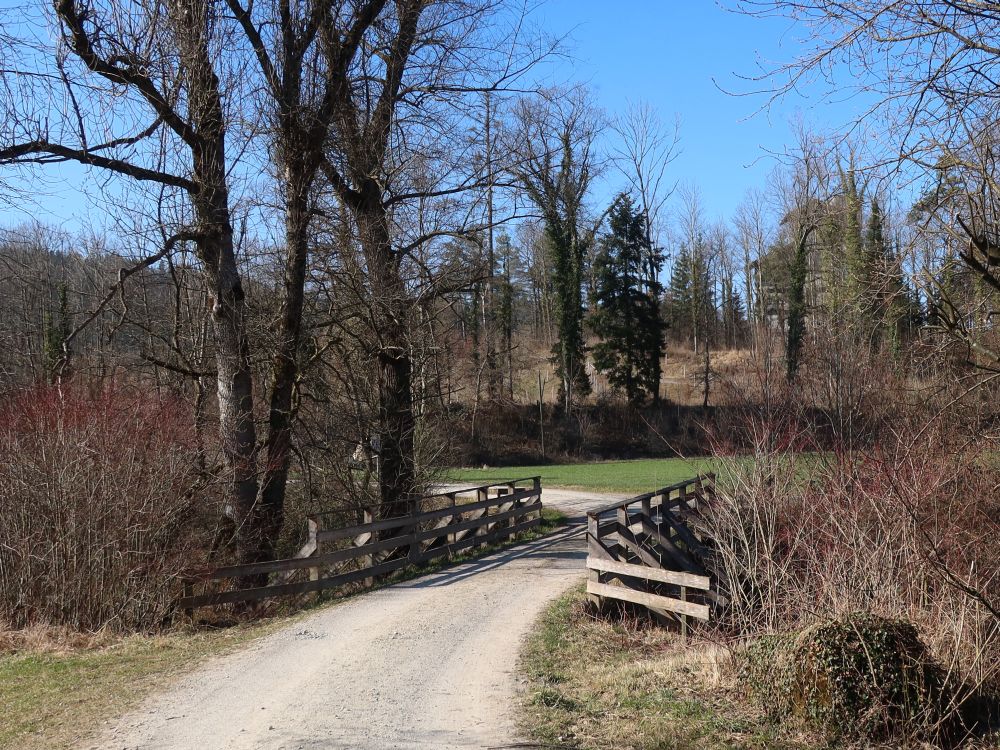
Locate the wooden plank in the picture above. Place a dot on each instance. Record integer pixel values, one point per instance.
(649, 495)
(684, 533)
(651, 574)
(535, 480)
(322, 560)
(628, 540)
(333, 535)
(668, 546)
(473, 541)
(303, 587)
(596, 548)
(485, 522)
(288, 589)
(653, 601)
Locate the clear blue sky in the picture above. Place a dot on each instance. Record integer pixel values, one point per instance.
(680, 56)
(673, 54)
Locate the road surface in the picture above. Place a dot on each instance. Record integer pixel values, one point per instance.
(428, 663)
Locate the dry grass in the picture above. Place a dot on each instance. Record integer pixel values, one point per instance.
(597, 683)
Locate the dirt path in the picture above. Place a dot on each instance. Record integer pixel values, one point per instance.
(424, 664)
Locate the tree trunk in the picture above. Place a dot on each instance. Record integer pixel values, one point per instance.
(285, 366)
(215, 246)
(396, 422)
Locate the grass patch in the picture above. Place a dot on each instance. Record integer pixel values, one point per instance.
(632, 477)
(53, 694)
(598, 684)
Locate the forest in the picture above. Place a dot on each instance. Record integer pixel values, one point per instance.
(348, 245)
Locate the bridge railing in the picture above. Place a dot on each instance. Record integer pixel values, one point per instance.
(332, 558)
(643, 551)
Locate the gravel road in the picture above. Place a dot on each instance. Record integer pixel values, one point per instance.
(429, 663)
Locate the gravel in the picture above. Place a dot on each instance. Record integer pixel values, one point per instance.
(429, 663)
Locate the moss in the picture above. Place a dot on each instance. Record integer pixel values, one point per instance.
(861, 676)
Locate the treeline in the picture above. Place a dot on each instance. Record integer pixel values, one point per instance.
(330, 232)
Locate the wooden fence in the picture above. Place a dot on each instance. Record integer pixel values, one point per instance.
(643, 551)
(332, 558)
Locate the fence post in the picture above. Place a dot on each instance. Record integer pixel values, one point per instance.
(451, 522)
(368, 560)
(314, 543)
(501, 492)
(592, 543)
(188, 591)
(482, 495)
(413, 548)
(684, 617)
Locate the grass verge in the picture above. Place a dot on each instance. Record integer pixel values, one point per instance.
(626, 685)
(632, 477)
(55, 689)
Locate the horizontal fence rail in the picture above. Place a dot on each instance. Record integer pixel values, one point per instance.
(644, 552)
(332, 558)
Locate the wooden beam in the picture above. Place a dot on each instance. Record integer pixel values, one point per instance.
(650, 574)
(653, 601)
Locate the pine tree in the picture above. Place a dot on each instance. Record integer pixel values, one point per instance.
(627, 315)
(878, 289)
(57, 330)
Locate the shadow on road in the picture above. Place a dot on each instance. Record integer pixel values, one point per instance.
(562, 549)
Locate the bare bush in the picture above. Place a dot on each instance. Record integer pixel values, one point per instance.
(101, 506)
(902, 524)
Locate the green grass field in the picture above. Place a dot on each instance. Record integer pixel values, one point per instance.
(633, 477)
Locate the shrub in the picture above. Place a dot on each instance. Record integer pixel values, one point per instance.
(101, 505)
(860, 676)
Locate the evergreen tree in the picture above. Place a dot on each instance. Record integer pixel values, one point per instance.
(627, 316)
(689, 307)
(57, 330)
(797, 303)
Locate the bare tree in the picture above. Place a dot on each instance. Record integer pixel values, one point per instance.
(301, 83)
(929, 70)
(752, 236)
(555, 135)
(139, 92)
(400, 172)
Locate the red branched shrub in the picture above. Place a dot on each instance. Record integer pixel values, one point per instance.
(101, 504)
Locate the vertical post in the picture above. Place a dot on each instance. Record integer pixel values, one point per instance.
(413, 549)
(684, 617)
(451, 521)
(592, 545)
(314, 545)
(188, 591)
(623, 524)
(501, 492)
(369, 560)
(536, 492)
(482, 495)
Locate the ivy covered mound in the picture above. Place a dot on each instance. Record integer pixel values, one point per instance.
(860, 677)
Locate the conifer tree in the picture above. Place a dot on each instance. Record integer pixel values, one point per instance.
(627, 316)
(57, 330)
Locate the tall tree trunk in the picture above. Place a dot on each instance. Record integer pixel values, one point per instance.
(285, 366)
(216, 248)
(396, 421)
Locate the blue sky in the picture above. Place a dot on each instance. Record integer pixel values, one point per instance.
(681, 56)
(677, 55)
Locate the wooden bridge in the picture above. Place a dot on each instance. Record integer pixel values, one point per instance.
(643, 551)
